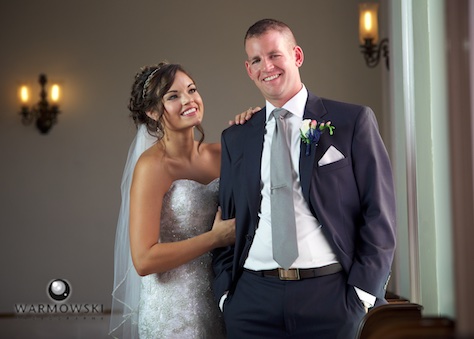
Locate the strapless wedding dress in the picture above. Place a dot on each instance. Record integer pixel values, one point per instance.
(179, 303)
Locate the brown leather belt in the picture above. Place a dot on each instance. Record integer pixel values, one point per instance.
(298, 273)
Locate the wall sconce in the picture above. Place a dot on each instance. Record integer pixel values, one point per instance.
(43, 113)
(369, 35)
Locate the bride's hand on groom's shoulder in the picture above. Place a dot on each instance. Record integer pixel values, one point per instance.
(244, 116)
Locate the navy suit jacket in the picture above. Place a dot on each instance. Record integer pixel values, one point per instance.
(352, 198)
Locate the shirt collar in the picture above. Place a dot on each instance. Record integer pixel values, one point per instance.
(295, 105)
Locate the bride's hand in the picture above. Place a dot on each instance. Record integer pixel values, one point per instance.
(223, 230)
(244, 116)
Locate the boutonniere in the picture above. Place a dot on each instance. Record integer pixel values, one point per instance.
(311, 130)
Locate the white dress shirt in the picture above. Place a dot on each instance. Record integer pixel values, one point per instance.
(313, 248)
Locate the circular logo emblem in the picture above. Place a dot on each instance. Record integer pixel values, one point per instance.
(59, 289)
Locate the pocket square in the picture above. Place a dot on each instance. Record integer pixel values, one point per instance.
(331, 155)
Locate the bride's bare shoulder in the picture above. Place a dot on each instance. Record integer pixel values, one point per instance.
(151, 168)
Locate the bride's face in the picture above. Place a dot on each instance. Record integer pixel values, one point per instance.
(183, 106)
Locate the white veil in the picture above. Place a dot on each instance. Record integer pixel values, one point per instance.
(126, 291)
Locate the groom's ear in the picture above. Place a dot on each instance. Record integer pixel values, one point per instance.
(299, 55)
(248, 69)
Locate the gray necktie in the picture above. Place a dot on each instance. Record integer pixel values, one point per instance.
(285, 247)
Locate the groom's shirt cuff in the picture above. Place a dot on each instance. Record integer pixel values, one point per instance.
(367, 299)
(221, 301)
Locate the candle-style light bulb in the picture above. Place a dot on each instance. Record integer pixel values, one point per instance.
(368, 21)
(55, 93)
(24, 94)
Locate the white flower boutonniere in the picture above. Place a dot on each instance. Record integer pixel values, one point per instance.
(311, 130)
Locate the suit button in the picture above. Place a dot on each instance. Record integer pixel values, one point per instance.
(248, 237)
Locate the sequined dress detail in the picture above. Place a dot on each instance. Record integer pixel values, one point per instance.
(179, 303)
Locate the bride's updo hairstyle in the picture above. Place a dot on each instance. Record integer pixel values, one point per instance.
(151, 84)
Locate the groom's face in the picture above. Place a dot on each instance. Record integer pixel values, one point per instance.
(273, 63)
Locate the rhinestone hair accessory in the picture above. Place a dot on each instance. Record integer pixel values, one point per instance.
(147, 82)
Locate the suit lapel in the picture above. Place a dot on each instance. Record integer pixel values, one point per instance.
(252, 158)
(314, 110)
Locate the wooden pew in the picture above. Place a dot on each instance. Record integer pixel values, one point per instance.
(387, 315)
(424, 328)
(394, 298)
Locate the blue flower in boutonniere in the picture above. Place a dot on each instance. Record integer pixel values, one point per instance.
(311, 130)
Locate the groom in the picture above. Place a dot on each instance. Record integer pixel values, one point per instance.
(344, 207)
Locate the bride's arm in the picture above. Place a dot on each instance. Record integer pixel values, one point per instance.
(146, 199)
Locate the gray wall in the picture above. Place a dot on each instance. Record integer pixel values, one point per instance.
(59, 193)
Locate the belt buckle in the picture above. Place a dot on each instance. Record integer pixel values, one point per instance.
(290, 274)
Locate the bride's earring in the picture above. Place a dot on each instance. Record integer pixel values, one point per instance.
(159, 133)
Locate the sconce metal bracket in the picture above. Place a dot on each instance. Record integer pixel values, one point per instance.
(372, 52)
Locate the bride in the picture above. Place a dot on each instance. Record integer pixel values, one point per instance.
(169, 219)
